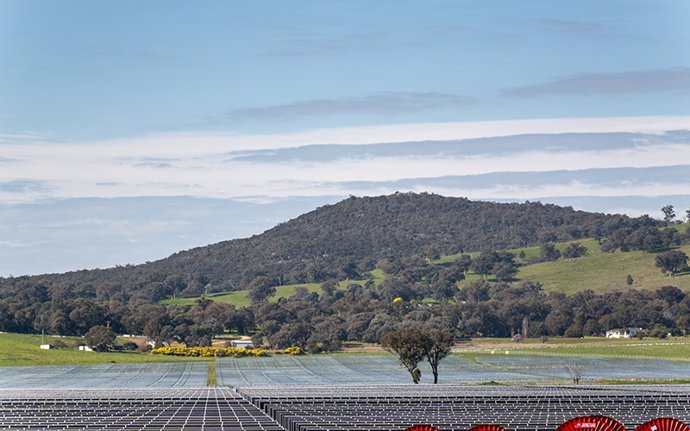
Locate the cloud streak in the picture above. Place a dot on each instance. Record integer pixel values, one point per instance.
(310, 45)
(219, 166)
(644, 81)
(495, 146)
(391, 103)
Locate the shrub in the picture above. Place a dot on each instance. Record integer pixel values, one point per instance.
(209, 352)
(129, 345)
(294, 350)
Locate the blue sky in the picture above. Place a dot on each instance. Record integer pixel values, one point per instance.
(131, 130)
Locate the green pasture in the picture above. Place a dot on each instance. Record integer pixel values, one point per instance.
(676, 348)
(23, 349)
(603, 272)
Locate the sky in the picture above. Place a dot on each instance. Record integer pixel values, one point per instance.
(131, 130)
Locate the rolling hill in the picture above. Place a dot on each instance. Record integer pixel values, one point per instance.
(341, 241)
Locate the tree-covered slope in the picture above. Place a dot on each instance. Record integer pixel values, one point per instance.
(338, 241)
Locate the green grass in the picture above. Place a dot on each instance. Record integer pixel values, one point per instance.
(22, 349)
(239, 297)
(675, 349)
(602, 272)
(651, 350)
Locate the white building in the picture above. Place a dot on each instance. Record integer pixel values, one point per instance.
(626, 333)
(247, 344)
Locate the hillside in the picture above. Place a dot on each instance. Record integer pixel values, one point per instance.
(406, 242)
(597, 271)
(341, 241)
(603, 272)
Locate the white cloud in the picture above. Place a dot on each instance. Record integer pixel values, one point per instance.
(200, 169)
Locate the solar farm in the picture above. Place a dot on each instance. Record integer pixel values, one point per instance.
(326, 393)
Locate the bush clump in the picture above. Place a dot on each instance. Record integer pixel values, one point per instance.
(293, 350)
(209, 352)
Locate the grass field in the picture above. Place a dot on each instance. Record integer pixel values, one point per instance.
(23, 349)
(676, 348)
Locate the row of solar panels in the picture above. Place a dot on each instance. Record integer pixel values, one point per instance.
(341, 408)
(213, 409)
(460, 408)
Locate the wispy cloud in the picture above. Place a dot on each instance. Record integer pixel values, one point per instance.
(20, 186)
(570, 26)
(202, 165)
(465, 148)
(138, 56)
(392, 103)
(645, 81)
(624, 181)
(313, 45)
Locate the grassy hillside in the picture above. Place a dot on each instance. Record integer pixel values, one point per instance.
(239, 297)
(602, 272)
(598, 271)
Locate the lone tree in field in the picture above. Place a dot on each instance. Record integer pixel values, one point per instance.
(408, 344)
(575, 370)
(672, 261)
(413, 345)
(437, 346)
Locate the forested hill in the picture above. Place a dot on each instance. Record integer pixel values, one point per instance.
(337, 241)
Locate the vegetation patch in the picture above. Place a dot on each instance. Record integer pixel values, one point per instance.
(209, 352)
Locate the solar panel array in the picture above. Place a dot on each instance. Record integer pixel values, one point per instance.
(212, 409)
(461, 407)
(312, 394)
(154, 375)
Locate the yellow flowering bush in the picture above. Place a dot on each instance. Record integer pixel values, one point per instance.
(294, 350)
(209, 352)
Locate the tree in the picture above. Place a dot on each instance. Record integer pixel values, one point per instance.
(408, 344)
(549, 253)
(437, 346)
(500, 263)
(669, 213)
(574, 250)
(100, 338)
(629, 280)
(260, 289)
(687, 214)
(575, 370)
(672, 261)
(412, 345)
